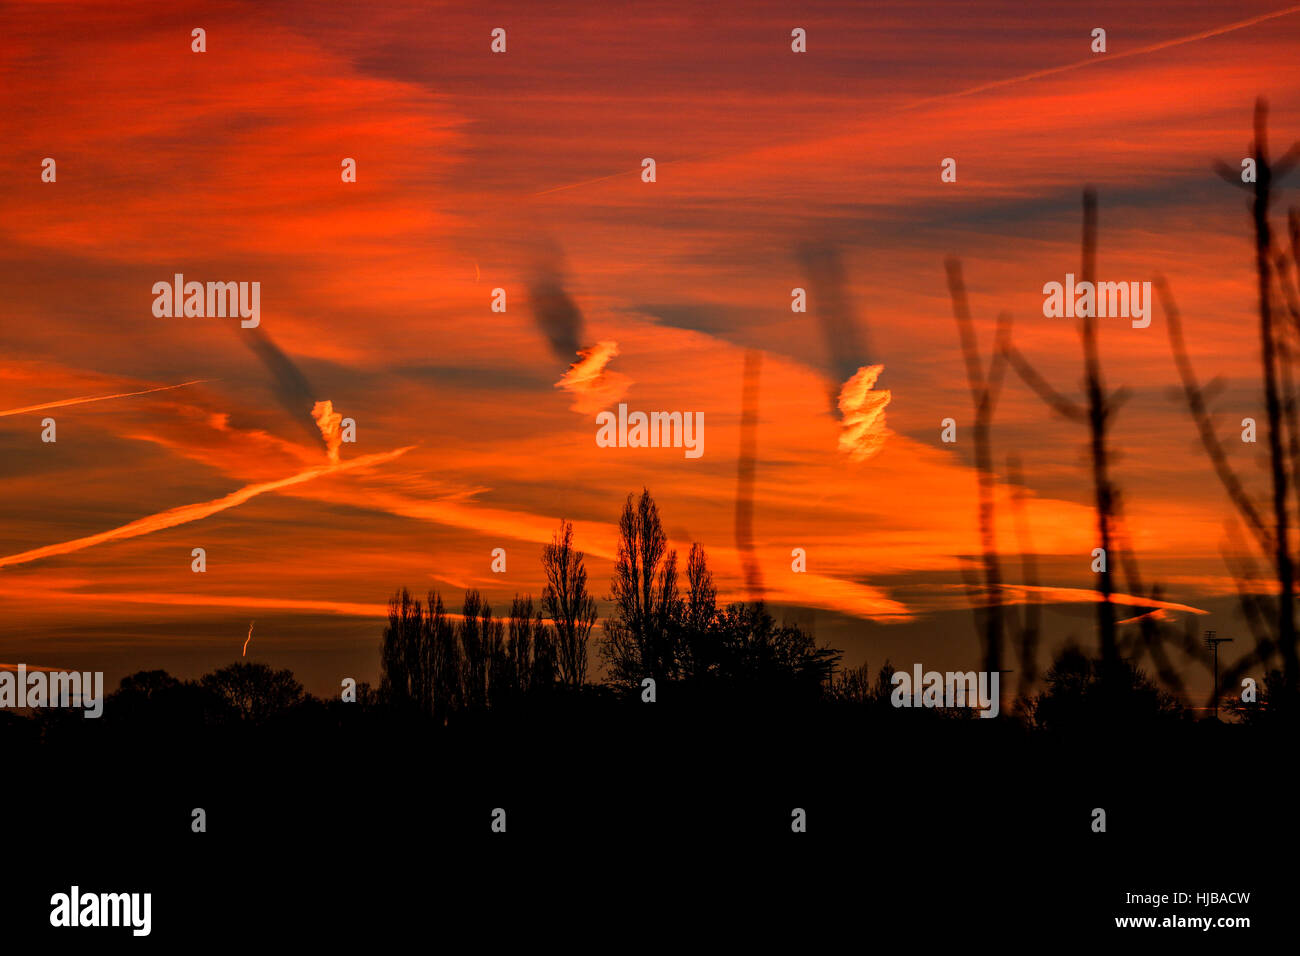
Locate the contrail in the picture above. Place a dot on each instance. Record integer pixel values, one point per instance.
(249, 638)
(698, 157)
(98, 398)
(1024, 77)
(175, 599)
(587, 182)
(1076, 64)
(187, 513)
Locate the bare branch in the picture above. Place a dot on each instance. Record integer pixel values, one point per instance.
(965, 329)
(1229, 175)
(1050, 396)
(1287, 162)
(1196, 404)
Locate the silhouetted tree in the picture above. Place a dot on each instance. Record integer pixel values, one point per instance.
(405, 661)
(473, 642)
(698, 643)
(157, 698)
(638, 637)
(1026, 626)
(1086, 692)
(657, 632)
(854, 685)
(544, 671)
(530, 648)
(494, 651)
(779, 661)
(1275, 703)
(446, 659)
(571, 609)
(519, 643)
(146, 685)
(253, 691)
(885, 685)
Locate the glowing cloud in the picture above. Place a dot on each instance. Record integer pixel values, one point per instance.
(1084, 595)
(328, 421)
(863, 409)
(592, 387)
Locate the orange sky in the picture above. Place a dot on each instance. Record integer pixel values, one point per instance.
(475, 168)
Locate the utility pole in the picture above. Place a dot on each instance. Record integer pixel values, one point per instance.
(1214, 642)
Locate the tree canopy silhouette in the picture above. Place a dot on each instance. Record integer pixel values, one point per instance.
(253, 691)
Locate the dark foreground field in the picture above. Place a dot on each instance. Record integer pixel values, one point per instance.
(673, 826)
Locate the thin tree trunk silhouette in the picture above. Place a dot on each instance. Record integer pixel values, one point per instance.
(745, 468)
(984, 391)
(1289, 349)
(1258, 619)
(1031, 626)
(1099, 410)
(1274, 541)
(1097, 414)
(1281, 536)
(1196, 403)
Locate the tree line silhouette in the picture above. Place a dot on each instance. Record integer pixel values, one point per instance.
(439, 667)
(673, 633)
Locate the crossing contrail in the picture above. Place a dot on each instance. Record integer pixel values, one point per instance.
(187, 513)
(972, 90)
(97, 398)
(1107, 57)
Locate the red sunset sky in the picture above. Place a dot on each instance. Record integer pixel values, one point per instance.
(476, 170)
